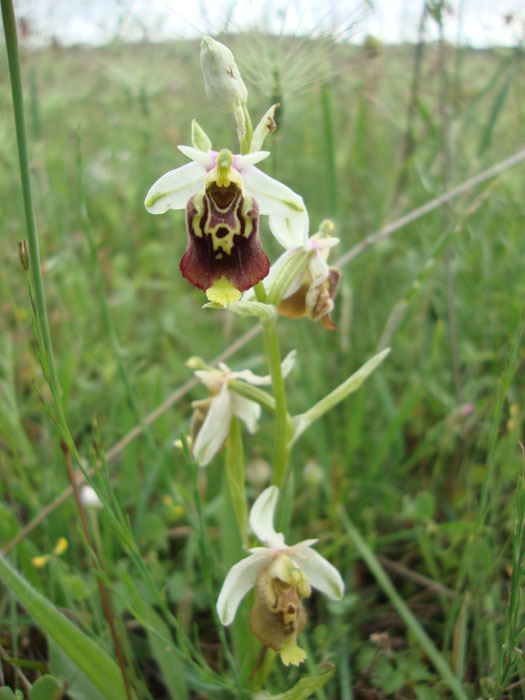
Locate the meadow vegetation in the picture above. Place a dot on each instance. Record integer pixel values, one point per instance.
(424, 459)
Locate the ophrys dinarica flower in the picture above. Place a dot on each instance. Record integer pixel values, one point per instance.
(223, 195)
(311, 292)
(212, 416)
(281, 575)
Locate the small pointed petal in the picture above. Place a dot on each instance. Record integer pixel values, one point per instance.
(199, 137)
(248, 411)
(205, 158)
(174, 188)
(239, 580)
(248, 376)
(261, 518)
(215, 428)
(319, 572)
(291, 233)
(323, 243)
(266, 124)
(272, 196)
(240, 163)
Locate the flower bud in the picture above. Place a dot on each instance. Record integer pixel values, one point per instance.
(222, 79)
(224, 85)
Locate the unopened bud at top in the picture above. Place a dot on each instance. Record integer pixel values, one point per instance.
(222, 79)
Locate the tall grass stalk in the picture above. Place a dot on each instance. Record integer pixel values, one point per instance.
(44, 333)
(409, 141)
(330, 147)
(514, 633)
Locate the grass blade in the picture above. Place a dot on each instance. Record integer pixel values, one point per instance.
(100, 668)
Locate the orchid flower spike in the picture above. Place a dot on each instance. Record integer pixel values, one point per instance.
(312, 291)
(223, 195)
(212, 416)
(281, 575)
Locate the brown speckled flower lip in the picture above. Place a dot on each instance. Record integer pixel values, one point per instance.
(223, 239)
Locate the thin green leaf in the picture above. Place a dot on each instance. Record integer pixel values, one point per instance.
(301, 690)
(302, 421)
(102, 671)
(499, 101)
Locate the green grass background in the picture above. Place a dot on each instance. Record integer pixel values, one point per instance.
(430, 485)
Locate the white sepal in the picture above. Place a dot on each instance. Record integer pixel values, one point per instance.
(318, 269)
(319, 572)
(247, 410)
(205, 158)
(215, 428)
(241, 162)
(248, 376)
(261, 518)
(240, 578)
(271, 195)
(174, 188)
(291, 233)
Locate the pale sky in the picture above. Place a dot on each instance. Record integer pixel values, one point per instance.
(476, 22)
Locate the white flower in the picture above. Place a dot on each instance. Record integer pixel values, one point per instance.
(318, 572)
(226, 403)
(174, 188)
(292, 234)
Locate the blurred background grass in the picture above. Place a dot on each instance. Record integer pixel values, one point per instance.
(409, 456)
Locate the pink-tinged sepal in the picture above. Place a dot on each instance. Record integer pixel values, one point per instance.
(223, 240)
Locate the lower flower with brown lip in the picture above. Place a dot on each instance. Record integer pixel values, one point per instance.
(282, 576)
(277, 616)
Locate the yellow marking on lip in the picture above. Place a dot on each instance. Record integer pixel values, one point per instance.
(223, 292)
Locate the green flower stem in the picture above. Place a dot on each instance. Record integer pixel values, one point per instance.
(44, 332)
(402, 608)
(282, 420)
(235, 473)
